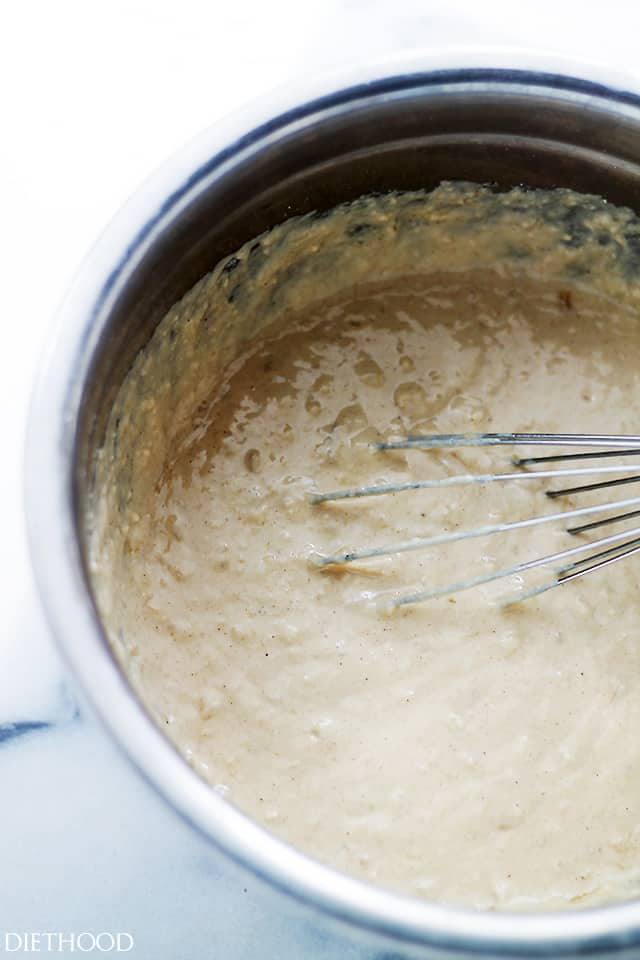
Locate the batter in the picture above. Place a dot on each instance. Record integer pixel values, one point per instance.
(455, 750)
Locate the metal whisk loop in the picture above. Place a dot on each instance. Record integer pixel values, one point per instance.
(601, 552)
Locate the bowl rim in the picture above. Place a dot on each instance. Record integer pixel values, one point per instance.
(49, 470)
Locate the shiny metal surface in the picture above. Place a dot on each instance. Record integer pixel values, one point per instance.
(398, 132)
(567, 573)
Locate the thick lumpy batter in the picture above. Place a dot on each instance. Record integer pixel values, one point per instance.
(456, 750)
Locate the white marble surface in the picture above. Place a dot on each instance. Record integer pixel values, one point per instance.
(95, 95)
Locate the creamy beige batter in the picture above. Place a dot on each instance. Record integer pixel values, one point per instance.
(454, 750)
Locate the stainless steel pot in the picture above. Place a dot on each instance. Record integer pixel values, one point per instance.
(401, 131)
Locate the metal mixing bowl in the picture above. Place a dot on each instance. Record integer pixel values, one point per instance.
(403, 131)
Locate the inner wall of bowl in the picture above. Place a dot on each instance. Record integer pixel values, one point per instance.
(402, 134)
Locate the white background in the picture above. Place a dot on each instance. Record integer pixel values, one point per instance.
(94, 96)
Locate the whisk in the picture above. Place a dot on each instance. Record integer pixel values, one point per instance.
(598, 553)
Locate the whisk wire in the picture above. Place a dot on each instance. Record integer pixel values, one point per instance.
(463, 479)
(628, 444)
(461, 585)
(421, 543)
(567, 491)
